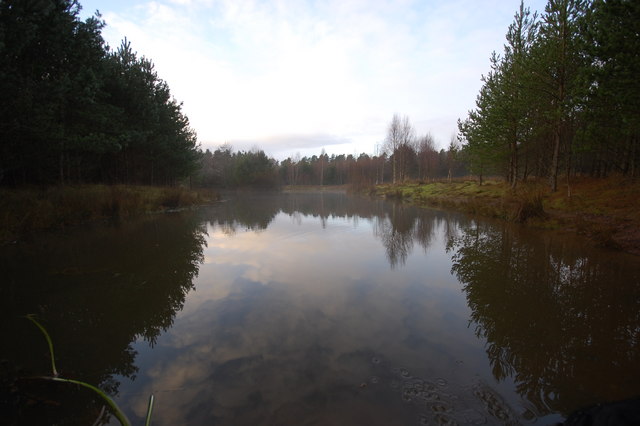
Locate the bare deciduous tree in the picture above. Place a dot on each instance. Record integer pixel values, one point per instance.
(400, 135)
(427, 156)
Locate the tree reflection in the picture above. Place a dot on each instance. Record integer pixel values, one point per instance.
(252, 211)
(96, 294)
(396, 231)
(554, 320)
(398, 226)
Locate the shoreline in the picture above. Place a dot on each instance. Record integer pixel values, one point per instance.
(24, 211)
(605, 211)
(294, 189)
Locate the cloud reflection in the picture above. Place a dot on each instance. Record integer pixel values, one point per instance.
(285, 324)
(337, 310)
(277, 352)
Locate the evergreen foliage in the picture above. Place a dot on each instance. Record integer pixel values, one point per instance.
(563, 96)
(72, 110)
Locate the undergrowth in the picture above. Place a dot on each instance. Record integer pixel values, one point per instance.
(605, 210)
(33, 209)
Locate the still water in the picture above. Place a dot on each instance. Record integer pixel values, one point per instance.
(318, 309)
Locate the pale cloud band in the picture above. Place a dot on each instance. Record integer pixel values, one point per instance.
(324, 73)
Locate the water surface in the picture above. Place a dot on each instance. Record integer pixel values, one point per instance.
(321, 309)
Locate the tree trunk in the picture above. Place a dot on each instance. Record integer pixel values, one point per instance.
(394, 169)
(553, 173)
(513, 166)
(568, 169)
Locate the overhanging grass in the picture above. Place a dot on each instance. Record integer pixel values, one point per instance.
(605, 210)
(27, 210)
(122, 418)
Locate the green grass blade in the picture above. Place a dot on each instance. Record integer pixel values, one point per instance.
(147, 421)
(122, 418)
(31, 317)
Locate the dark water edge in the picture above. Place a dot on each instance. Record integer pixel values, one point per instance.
(319, 309)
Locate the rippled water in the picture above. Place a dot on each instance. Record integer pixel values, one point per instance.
(320, 309)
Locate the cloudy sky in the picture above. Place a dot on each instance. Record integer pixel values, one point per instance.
(297, 76)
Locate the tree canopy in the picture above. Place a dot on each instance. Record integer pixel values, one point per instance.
(563, 95)
(73, 110)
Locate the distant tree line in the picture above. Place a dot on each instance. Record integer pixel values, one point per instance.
(224, 168)
(412, 159)
(404, 157)
(563, 98)
(72, 110)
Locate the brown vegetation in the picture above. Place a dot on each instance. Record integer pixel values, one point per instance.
(24, 211)
(607, 211)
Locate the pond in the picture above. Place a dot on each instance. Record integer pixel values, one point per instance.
(317, 309)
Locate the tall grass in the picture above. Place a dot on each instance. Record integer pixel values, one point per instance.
(120, 415)
(494, 198)
(606, 210)
(28, 210)
(527, 204)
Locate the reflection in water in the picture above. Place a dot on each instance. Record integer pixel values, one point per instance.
(563, 322)
(95, 294)
(325, 309)
(398, 231)
(397, 226)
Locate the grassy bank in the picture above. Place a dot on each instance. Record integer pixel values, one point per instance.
(27, 210)
(605, 210)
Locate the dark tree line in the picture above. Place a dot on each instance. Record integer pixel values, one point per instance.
(415, 159)
(73, 110)
(561, 100)
(224, 168)
(563, 97)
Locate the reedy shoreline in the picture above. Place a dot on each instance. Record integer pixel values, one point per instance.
(24, 211)
(606, 211)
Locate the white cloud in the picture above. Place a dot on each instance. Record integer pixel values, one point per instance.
(274, 72)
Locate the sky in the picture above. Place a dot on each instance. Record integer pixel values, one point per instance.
(299, 76)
